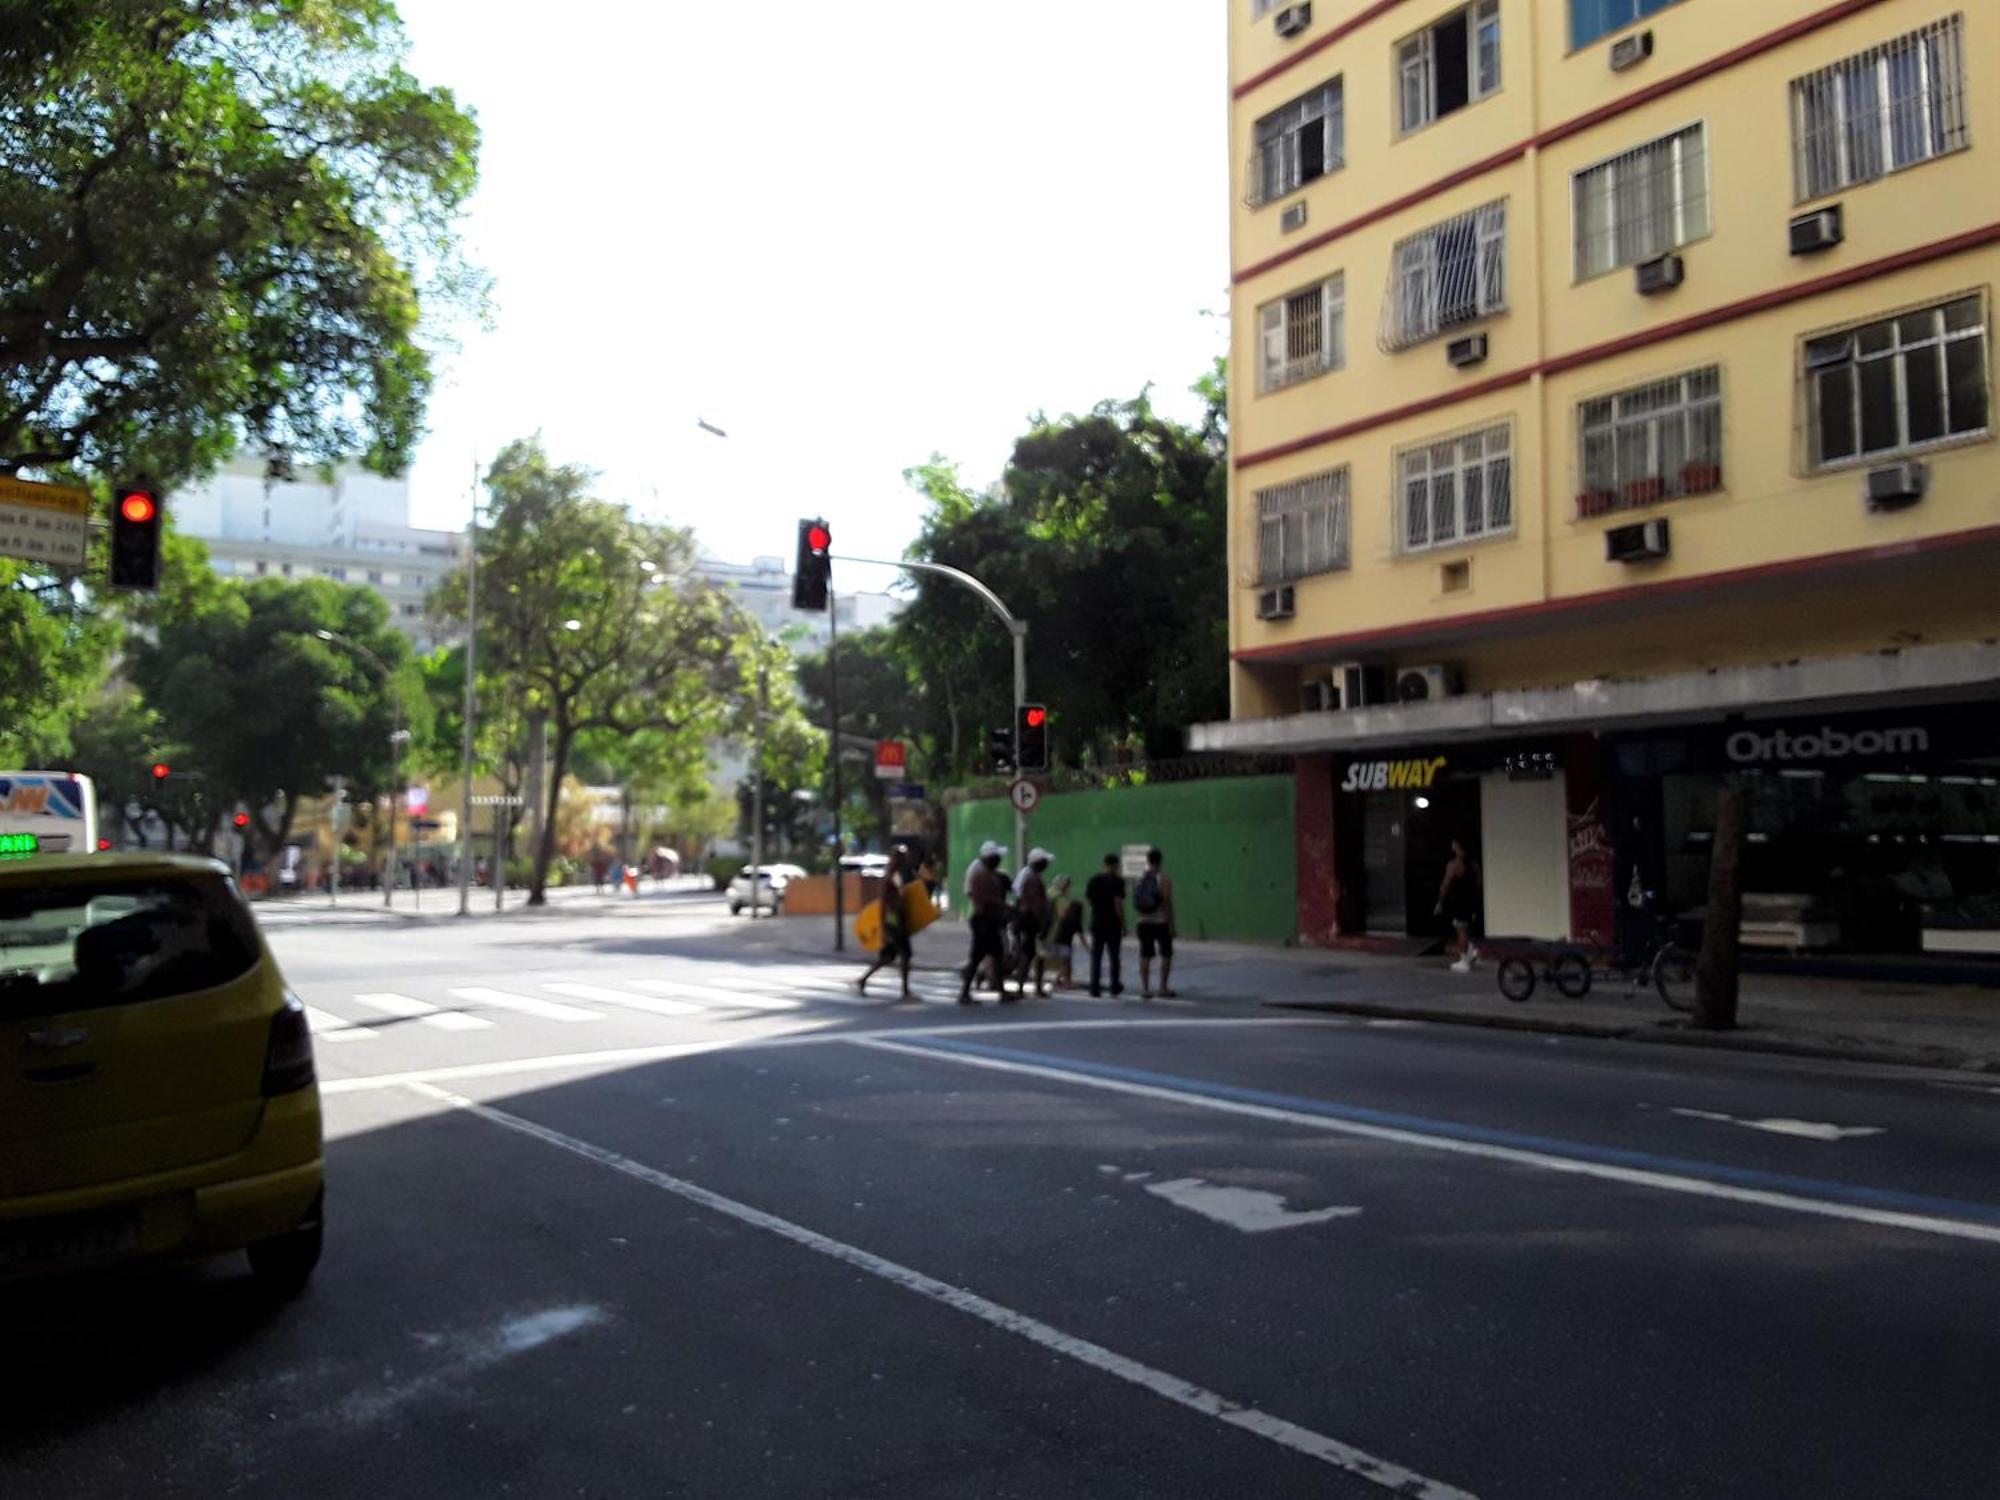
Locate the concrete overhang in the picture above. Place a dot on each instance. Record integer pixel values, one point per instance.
(1846, 684)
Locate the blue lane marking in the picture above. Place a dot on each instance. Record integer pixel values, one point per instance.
(1455, 1130)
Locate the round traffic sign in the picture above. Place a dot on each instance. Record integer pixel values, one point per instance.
(1024, 794)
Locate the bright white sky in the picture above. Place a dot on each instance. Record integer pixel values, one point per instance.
(851, 235)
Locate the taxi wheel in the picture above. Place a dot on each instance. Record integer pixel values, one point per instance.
(283, 1265)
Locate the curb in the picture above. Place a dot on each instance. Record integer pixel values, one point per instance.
(1722, 1041)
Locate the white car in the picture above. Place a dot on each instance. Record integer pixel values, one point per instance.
(771, 883)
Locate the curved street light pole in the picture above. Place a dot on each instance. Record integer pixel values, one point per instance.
(395, 759)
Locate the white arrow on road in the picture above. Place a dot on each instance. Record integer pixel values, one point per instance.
(1812, 1130)
(1249, 1209)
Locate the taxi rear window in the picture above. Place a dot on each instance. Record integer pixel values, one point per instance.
(81, 944)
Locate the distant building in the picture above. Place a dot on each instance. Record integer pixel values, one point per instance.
(764, 589)
(353, 527)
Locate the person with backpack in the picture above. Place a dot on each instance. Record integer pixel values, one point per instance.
(1153, 900)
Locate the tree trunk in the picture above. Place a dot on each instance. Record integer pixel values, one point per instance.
(1716, 970)
(545, 847)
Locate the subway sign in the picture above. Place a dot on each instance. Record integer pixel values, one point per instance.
(1413, 774)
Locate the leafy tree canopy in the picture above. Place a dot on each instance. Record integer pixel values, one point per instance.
(224, 220)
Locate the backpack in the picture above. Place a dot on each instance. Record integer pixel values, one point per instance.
(1147, 897)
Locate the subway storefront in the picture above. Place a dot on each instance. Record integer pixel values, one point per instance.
(1864, 834)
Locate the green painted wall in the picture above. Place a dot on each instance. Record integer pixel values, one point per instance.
(1228, 842)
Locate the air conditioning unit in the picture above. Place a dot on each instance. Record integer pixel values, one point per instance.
(1356, 685)
(1293, 19)
(1894, 486)
(1276, 604)
(1425, 684)
(1813, 232)
(1294, 217)
(1470, 350)
(1630, 51)
(1661, 274)
(1641, 543)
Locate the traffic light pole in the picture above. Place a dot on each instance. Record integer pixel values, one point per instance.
(833, 707)
(1016, 627)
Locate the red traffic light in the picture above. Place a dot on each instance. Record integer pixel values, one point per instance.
(1037, 717)
(818, 538)
(161, 770)
(103, 845)
(138, 507)
(241, 820)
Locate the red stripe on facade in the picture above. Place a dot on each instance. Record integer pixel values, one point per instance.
(1755, 47)
(1735, 578)
(1353, 23)
(1729, 312)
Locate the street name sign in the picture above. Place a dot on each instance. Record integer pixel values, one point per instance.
(44, 523)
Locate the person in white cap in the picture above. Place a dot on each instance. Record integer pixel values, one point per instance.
(986, 851)
(1031, 922)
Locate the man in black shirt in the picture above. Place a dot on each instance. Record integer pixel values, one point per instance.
(1106, 897)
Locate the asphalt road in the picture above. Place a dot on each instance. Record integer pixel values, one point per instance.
(620, 1204)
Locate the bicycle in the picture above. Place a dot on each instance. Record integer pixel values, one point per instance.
(1659, 963)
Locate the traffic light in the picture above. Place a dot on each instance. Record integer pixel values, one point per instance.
(241, 820)
(815, 569)
(161, 771)
(135, 538)
(1000, 750)
(1034, 735)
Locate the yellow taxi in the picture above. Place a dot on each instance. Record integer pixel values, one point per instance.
(157, 1095)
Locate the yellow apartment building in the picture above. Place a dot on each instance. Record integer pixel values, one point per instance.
(1611, 411)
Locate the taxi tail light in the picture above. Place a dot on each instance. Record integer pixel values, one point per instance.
(288, 1056)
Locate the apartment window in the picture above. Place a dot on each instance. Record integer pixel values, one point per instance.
(1302, 528)
(1262, 8)
(1448, 65)
(374, 575)
(338, 574)
(1457, 490)
(1304, 140)
(286, 569)
(1899, 383)
(1302, 335)
(1591, 19)
(1654, 442)
(263, 568)
(1641, 203)
(1880, 111)
(1448, 274)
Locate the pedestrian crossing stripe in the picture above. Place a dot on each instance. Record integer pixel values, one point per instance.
(528, 1005)
(658, 1007)
(408, 1008)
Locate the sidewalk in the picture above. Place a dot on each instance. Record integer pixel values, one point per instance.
(439, 901)
(1944, 1026)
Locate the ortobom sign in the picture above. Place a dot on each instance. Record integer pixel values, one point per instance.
(1748, 747)
(44, 523)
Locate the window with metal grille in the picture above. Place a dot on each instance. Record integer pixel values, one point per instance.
(1880, 111)
(1448, 274)
(1296, 144)
(1641, 203)
(1655, 442)
(1261, 8)
(1591, 19)
(1457, 489)
(1448, 65)
(1898, 384)
(1302, 528)
(1302, 335)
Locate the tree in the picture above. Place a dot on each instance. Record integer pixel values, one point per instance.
(263, 710)
(580, 607)
(1107, 533)
(224, 219)
(57, 651)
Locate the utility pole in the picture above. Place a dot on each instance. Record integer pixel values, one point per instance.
(757, 807)
(833, 707)
(471, 700)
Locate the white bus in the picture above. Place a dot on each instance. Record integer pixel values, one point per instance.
(46, 812)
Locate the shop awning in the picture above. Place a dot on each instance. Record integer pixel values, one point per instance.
(1880, 679)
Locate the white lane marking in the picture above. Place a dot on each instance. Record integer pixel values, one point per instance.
(714, 998)
(1811, 1130)
(1668, 1182)
(625, 998)
(806, 1033)
(407, 1008)
(469, 1355)
(1303, 1440)
(527, 1005)
(331, 1028)
(1251, 1210)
